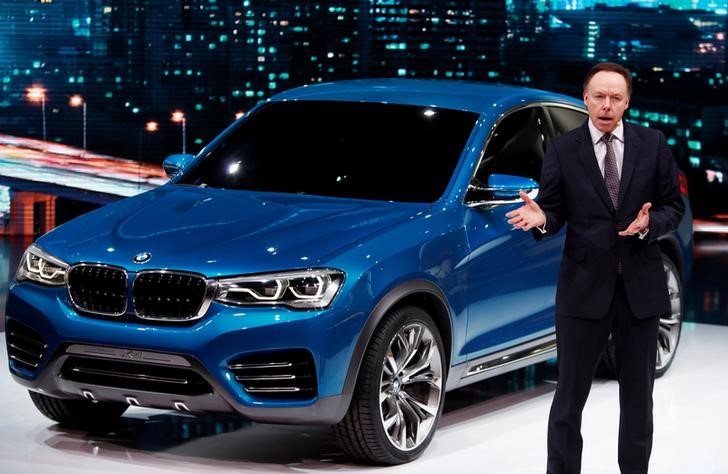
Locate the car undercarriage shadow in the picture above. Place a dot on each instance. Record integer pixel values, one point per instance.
(159, 438)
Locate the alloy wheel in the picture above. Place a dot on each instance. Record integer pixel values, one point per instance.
(669, 331)
(411, 386)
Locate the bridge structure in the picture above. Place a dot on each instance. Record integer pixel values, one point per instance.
(38, 173)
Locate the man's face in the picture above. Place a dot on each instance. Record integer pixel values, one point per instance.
(606, 99)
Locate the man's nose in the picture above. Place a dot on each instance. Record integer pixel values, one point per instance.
(607, 103)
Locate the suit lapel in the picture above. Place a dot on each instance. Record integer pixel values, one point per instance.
(585, 151)
(632, 144)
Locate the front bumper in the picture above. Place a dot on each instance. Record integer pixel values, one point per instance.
(203, 351)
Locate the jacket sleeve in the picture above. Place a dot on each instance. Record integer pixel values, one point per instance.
(665, 214)
(551, 195)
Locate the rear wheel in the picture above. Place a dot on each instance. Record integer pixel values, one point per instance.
(77, 412)
(399, 393)
(668, 335)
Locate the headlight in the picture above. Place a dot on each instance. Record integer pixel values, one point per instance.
(38, 266)
(305, 289)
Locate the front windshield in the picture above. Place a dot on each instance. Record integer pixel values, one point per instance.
(344, 149)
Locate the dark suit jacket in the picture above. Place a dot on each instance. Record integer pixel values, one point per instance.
(573, 192)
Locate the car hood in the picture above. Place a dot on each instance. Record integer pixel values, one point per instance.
(222, 232)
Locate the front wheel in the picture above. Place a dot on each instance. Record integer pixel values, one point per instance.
(399, 393)
(668, 335)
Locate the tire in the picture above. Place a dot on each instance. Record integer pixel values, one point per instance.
(399, 393)
(670, 329)
(78, 412)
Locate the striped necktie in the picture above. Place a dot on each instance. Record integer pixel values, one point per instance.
(611, 175)
(611, 178)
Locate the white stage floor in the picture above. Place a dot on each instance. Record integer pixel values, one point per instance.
(494, 427)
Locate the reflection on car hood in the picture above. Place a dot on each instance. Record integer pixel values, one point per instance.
(221, 232)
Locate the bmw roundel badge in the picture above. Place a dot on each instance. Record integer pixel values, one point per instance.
(143, 257)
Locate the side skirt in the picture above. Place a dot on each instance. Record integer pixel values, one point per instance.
(529, 353)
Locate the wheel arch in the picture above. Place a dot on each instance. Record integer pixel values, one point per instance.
(421, 293)
(670, 246)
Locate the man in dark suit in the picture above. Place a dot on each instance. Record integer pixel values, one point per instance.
(615, 186)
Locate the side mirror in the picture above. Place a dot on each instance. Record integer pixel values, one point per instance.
(173, 164)
(501, 189)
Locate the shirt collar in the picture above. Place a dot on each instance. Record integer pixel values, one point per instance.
(596, 134)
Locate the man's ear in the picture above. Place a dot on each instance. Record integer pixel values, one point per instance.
(585, 96)
(626, 106)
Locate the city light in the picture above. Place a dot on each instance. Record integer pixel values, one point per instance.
(77, 101)
(178, 116)
(37, 93)
(127, 87)
(150, 127)
(80, 172)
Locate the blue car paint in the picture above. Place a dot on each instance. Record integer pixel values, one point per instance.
(498, 284)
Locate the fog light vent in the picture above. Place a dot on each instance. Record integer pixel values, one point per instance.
(25, 346)
(289, 374)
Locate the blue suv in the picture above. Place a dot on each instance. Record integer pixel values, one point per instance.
(339, 255)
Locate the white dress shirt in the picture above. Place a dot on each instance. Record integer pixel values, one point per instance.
(600, 148)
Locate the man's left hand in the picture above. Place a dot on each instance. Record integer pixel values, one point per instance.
(641, 222)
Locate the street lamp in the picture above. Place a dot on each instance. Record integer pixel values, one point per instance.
(77, 101)
(37, 93)
(179, 116)
(150, 127)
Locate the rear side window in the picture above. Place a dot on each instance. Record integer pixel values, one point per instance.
(516, 146)
(566, 120)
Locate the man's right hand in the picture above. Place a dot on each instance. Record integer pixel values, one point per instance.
(527, 216)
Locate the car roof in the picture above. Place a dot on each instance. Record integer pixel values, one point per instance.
(459, 95)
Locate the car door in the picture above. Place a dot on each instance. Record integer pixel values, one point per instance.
(511, 278)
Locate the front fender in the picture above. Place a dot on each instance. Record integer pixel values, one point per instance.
(394, 297)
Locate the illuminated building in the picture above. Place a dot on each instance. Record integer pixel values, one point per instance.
(137, 61)
(640, 37)
(447, 39)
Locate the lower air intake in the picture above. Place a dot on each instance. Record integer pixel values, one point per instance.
(25, 346)
(134, 376)
(289, 374)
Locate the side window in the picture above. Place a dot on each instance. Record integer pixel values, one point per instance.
(516, 146)
(566, 120)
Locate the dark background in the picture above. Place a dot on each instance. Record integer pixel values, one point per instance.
(135, 61)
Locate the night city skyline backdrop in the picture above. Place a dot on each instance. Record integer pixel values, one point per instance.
(132, 62)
